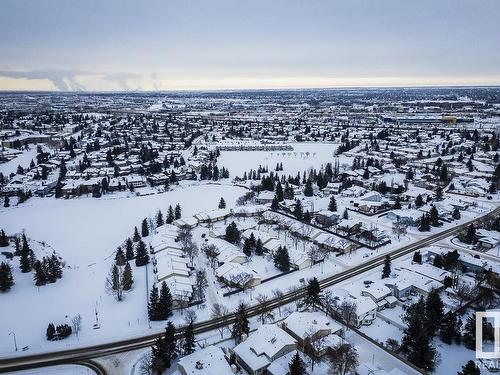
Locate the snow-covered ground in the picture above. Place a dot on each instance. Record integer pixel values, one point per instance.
(85, 233)
(23, 159)
(303, 157)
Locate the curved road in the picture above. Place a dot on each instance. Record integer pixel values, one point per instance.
(84, 355)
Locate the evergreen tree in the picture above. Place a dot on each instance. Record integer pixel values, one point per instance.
(419, 201)
(158, 365)
(115, 278)
(128, 279)
(164, 350)
(439, 193)
(25, 262)
(297, 212)
(425, 224)
(386, 271)
(434, 217)
(259, 248)
(275, 203)
(308, 189)
(282, 259)
(232, 233)
(188, 345)
(345, 216)
(120, 259)
(55, 268)
(247, 247)
(416, 342)
(444, 173)
(51, 332)
(170, 215)
(136, 237)
(433, 312)
(178, 211)
(449, 327)
(165, 302)
(153, 304)
(450, 260)
(58, 191)
(313, 293)
(145, 228)
(6, 279)
(6, 201)
(423, 354)
(397, 204)
(456, 214)
(469, 334)
(4, 242)
(141, 254)
(470, 368)
(332, 206)
(222, 203)
(471, 236)
(438, 261)
(159, 219)
(241, 325)
(279, 192)
(417, 257)
(170, 343)
(129, 249)
(296, 365)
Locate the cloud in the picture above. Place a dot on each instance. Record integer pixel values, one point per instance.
(68, 80)
(64, 80)
(121, 79)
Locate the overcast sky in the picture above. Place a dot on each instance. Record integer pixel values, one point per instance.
(201, 44)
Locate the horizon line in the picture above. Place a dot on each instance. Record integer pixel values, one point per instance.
(278, 88)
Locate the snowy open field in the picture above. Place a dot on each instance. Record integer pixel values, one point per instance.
(303, 157)
(85, 232)
(23, 159)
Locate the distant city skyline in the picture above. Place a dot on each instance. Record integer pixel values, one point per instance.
(230, 44)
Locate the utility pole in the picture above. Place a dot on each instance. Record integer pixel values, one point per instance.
(15, 341)
(147, 294)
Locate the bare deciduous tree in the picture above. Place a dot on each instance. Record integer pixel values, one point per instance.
(277, 293)
(211, 251)
(184, 236)
(463, 293)
(76, 322)
(316, 253)
(314, 345)
(190, 316)
(146, 364)
(219, 311)
(114, 282)
(347, 310)
(399, 229)
(264, 313)
(343, 360)
(201, 284)
(392, 344)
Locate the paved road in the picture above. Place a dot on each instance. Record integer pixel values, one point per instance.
(85, 355)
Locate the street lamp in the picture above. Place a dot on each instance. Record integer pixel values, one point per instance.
(15, 342)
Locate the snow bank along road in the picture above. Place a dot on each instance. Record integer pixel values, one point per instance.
(84, 355)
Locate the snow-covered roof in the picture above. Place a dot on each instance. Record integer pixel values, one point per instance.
(258, 350)
(208, 361)
(308, 324)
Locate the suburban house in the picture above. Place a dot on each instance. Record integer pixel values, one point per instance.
(237, 275)
(207, 361)
(313, 331)
(268, 343)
